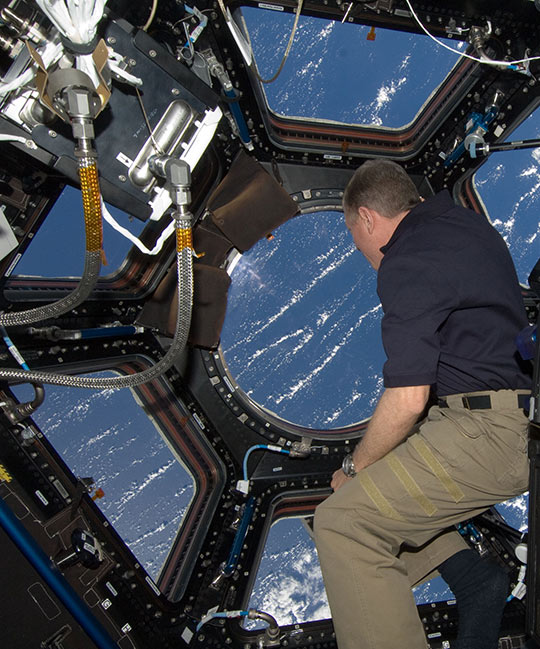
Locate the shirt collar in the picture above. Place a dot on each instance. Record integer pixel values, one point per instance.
(432, 206)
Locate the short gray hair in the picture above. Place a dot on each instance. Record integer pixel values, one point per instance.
(381, 185)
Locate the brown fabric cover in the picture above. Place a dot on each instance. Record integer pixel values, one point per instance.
(246, 206)
(248, 203)
(210, 287)
(210, 243)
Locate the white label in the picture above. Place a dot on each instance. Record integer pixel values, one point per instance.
(123, 158)
(106, 603)
(126, 628)
(152, 585)
(263, 5)
(42, 497)
(332, 156)
(111, 588)
(228, 383)
(13, 264)
(198, 420)
(60, 488)
(187, 635)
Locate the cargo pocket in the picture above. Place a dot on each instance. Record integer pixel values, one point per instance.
(455, 436)
(465, 422)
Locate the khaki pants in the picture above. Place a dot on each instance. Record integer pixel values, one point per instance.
(387, 528)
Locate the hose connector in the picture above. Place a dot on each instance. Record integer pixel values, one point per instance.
(270, 638)
(177, 173)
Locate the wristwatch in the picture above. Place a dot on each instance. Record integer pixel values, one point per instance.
(348, 466)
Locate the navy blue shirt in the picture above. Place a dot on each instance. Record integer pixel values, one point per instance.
(452, 303)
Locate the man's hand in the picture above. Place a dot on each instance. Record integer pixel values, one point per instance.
(339, 479)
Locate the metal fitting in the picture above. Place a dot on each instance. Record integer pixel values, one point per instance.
(217, 70)
(10, 45)
(80, 102)
(301, 449)
(22, 26)
(177, 173)
(475, 144)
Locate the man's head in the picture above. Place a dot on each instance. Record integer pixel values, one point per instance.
(375, 201)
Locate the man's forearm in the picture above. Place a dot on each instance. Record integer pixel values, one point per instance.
(396, 414)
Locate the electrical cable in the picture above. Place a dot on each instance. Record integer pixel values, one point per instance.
(468, 56)
(151, 16)
(12, 349)
(203, 21)
(266, 447)
(287, 50)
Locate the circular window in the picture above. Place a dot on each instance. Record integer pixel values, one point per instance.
(302, 332)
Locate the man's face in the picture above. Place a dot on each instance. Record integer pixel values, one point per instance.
(363, 234)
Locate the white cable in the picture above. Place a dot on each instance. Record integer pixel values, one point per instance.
(77, 20)
(165, 234)
(5, 137)
(468, 56)
(50, 54)
(125, 76)
(151, 16)
(114, 66)
(85, 63)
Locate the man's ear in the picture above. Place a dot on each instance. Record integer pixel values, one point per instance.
(366, 216)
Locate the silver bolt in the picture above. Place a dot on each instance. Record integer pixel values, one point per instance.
(152, 53)
(132, 62)
(52, 133)
(111, 40)
(122, 178)
(175, 91)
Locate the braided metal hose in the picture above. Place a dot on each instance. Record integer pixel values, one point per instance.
(184, 263)
(88, 175)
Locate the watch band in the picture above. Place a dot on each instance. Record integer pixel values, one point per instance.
(347, 466)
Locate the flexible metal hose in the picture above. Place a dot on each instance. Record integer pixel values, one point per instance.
(92, 264)
(26, 409)
(184, 262)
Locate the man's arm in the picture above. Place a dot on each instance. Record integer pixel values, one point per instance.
(395, 415)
